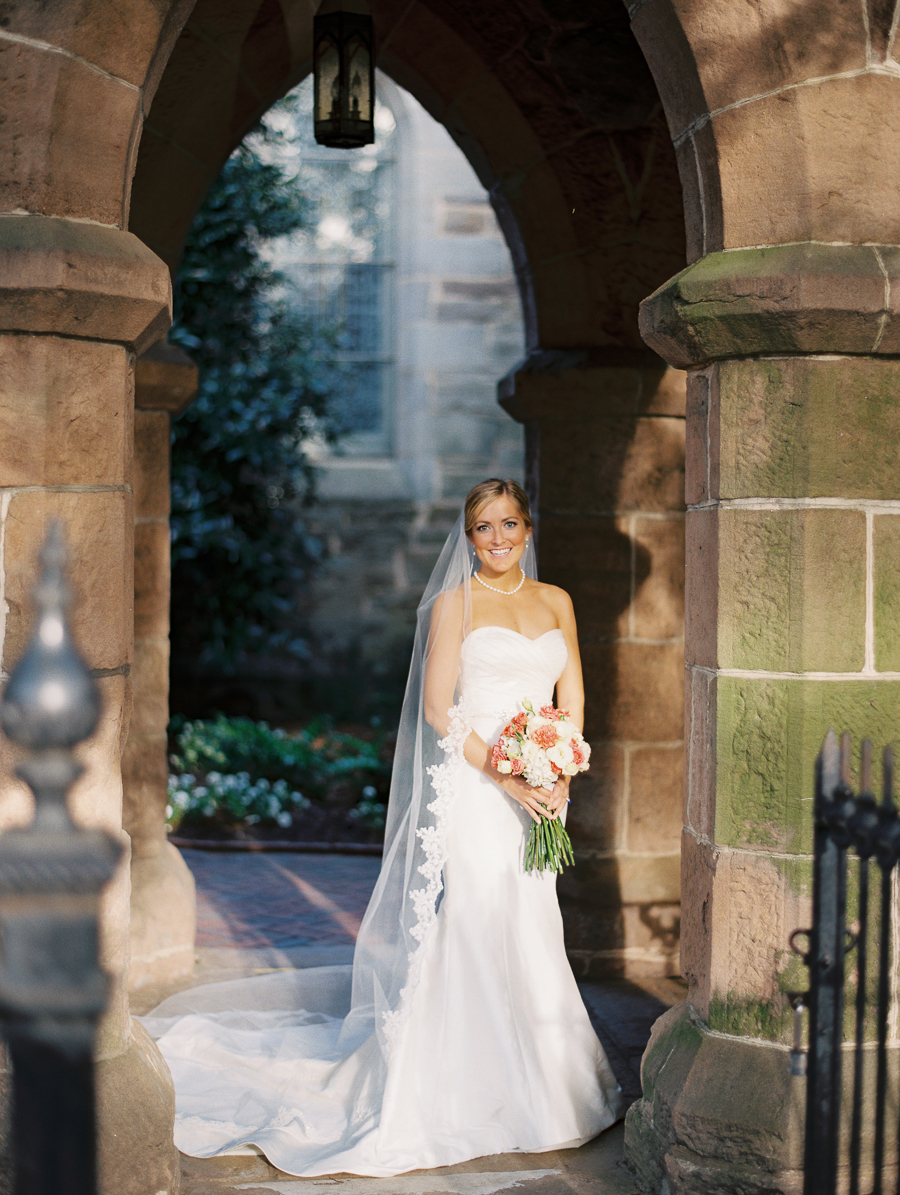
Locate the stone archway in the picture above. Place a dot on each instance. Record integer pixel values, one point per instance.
(584, 183)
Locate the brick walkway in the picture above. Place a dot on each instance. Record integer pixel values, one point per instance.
(284, 900)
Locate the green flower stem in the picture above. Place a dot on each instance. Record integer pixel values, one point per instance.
(549, 847)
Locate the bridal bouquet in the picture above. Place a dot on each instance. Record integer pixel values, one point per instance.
(539, 747)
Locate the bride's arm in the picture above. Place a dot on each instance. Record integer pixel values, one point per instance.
(441, 673)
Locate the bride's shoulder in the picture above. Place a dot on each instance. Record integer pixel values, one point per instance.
(552, 595)
(557, 601)
(450, 604)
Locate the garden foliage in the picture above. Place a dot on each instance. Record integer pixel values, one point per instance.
(239, 474)
(239, 771)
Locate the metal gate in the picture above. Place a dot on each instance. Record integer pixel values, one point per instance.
(851, 1110)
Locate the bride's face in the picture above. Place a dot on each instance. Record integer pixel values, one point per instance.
(499, 536)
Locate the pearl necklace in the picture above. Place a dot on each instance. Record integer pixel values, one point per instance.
(504, 592)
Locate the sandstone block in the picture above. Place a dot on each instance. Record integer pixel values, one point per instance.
(99, 530)
(792, 590)
(798, 428)
(506, 140)
(769, 733)
(145, 773)
(672, 59)
(621, 465)
(163, 918)
(634, 692)
(151, 687)
(65, 412)
(753, 906)
(887, 593)
(165, 379)
(698, 872)
(798, 298)
(152, 433)
(697, 444)
(421, 36)
(655, 800)
(542, 211)
(560, 307)
(591, 558)
(71, 136)
(96, 797)
(693, 183)
(701, 592)
(120, 42)
(715, 1099)
(609, 882)
(778, 186)
(594, 818)
(135, 1119)
(657, 611)
(700, 751)
(82, 280)
(151, 580)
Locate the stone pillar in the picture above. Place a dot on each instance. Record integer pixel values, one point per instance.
(605, 470)
(792, 626)
(76, 300)
(163, 913)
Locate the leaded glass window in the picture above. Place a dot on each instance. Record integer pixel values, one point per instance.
(340, 268)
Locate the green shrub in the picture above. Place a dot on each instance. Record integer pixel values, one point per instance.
(311, 760)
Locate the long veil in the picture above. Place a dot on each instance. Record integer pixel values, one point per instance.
(330, 1015)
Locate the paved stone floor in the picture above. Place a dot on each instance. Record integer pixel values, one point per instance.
(262, 911)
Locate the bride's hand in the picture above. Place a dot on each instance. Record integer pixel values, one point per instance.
(559, 795)
(537, 801)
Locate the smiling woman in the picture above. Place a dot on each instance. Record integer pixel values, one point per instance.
(465, 1034)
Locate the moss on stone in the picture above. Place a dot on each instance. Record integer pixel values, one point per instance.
(887, 592)
(741, 1016)
(769, 733)
(787, 579)
(809, 428)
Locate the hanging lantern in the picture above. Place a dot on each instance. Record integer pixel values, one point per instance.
(344, 72)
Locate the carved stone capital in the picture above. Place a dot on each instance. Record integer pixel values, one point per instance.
(805, 298)
(90, 281)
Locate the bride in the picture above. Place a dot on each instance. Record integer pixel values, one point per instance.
(459, 1030)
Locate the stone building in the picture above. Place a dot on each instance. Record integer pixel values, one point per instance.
(723, 167)
(403, 253)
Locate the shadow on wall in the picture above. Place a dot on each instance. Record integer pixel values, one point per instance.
(612, 534)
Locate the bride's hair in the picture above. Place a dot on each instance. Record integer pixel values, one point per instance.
(479, 496)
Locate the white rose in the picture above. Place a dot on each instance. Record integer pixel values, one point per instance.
(560, 754)
(504, 766)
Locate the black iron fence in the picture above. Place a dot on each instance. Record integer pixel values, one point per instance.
(851, 1111)
(52, 990)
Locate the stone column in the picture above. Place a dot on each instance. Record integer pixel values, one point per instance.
(793, 555)
(605, 470)
(163, 912)
(76, 300)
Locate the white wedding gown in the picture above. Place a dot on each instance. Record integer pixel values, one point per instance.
(493, 1051)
